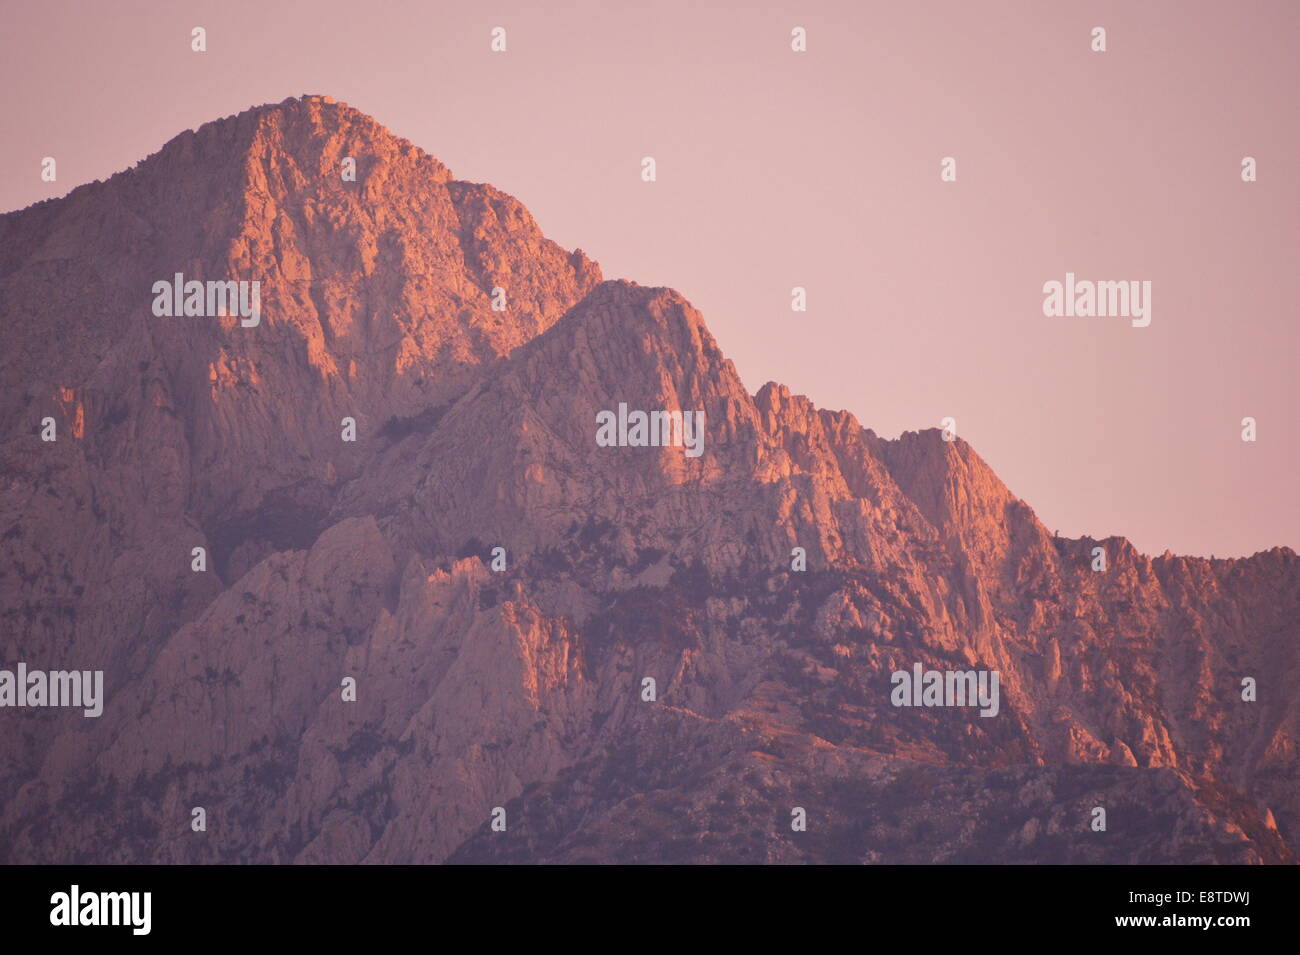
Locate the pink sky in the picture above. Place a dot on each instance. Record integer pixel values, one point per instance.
(821, 169)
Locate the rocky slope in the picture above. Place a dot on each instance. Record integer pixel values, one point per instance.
(522, 687)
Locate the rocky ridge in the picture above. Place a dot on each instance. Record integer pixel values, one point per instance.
(522, 688)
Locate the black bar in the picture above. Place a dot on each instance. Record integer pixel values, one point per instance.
(335, 904)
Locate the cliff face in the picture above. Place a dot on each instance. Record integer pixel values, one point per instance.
(522, 687)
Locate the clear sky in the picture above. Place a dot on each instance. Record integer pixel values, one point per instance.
(822, 169)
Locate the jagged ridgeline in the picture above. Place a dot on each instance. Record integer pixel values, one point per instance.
(365, 582)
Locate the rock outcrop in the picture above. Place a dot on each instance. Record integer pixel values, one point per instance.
(514, 678)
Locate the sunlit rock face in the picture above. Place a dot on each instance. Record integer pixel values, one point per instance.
(633, 651)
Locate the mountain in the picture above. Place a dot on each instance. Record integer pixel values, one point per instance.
(474, 358)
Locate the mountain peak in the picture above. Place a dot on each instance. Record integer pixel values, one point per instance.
(453, 463)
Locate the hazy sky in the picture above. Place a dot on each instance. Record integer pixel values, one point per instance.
(822, 169)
